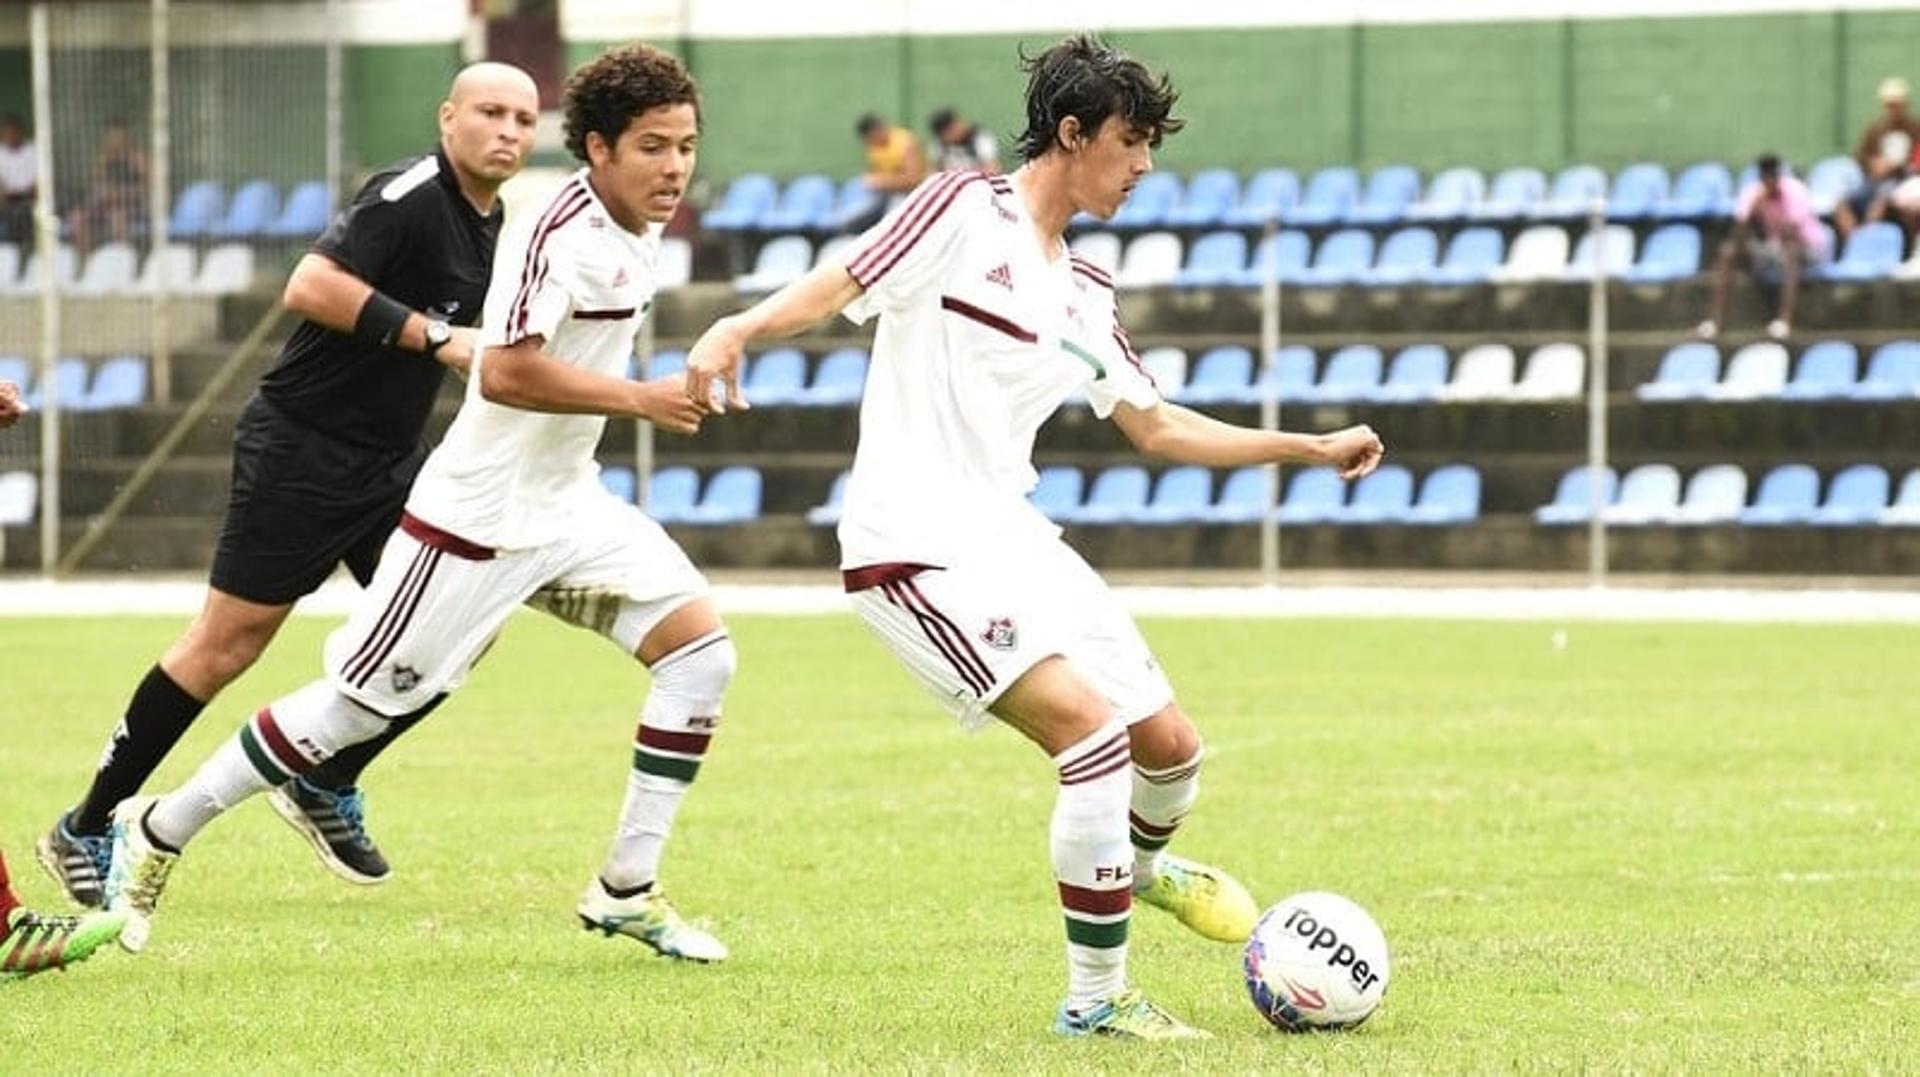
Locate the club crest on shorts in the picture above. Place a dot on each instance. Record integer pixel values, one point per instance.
(1001, 635)
(404, 678)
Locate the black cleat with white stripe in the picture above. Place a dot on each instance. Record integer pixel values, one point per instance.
(334, 822)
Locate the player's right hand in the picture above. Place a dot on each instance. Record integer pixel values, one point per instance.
(663, 402)
(716, 357)
(1355, 451)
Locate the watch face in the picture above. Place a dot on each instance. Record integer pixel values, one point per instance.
(438, 333)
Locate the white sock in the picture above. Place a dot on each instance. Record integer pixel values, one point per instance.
(1089, 843)
(1161, 800)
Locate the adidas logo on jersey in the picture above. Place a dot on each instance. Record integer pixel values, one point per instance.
(620, 277)
(1001, 275)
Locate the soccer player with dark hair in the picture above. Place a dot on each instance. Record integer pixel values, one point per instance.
(987, 324)
(510, 509)
(323, 456)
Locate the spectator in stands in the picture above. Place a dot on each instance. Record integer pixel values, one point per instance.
(19, 180)
(895, 163)
(960, 143)
(1886, 154)
(11, 406)
(116, 204)
(1776, 231)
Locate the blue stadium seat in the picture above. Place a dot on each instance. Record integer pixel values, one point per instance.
(1555, 371)
(1210, 195)
(748, 199)
(1342, 258)
(1058, 493)
(1118, 496)
(196, 211)
(1826, 371)
(1390, 190)
(1484, 372)
(1514, 194)
(1787, 497)
(1151, 259)
(619, 482)
(1870, 254)
(1215, 259)
(840, 380)
(1290, 374)
(1573, 499)
(732, 497)
(1317, 495)
(305, 212)
(18, 370)
(1283, 253)
(1473, 256)
(1152, 199)
(671, 494)
(1352, 375)
(1703, 190)
(1856, 498)
(1756, 372)
(1892, 374)
(856, 204)
(1243, 497)
(1905, 510)
(1649, 494)
(1221, 375)
(806, 202)
(1573, 192)
(1407, 256)
(69, 377)
(781, 260)
(776, 377)
(253, 208)
(1537, 253)
(827, 513)
(1329, 195)
(1449, 495)
(1671, 253)
(1384, 497)
(1267, 196)
(121, 382)
(1183, 495)
(1715, 495)
(19, 493)
(1417, 375)
(668, 363)
(1687, 372)
(1832, 179)
(1638, 192)
(1618, 242)
(1453, 195)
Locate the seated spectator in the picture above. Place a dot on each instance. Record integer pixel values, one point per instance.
(1885, 154)
(1774, 230)
(895, 163)
(960, 143)
(116, 205)
(19, 180)
(11, 406)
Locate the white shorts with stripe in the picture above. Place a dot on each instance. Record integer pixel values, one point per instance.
(969, 630)
(437, 601)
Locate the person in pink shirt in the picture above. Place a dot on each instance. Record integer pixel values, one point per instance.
(1776, 231)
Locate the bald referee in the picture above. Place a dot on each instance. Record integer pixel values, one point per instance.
(324, 454)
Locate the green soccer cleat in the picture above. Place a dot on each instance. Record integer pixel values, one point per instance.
(34, 943)
(139, 872)
(1126, 1016)
(1208, 900)
(652, 919)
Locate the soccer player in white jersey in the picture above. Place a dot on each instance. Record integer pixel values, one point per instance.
(986, 325)
(510, 508)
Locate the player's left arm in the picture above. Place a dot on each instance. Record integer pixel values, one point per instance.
(822, 293)
(1183, 435)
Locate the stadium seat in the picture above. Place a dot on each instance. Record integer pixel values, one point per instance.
(1057, 494)
(1290, 374)
(121, 382)
(1687, 372)
(1715, 495)
(69, 378)
(1181, 496)
(1215, 259)
(827, 513)
(1150, 259)
(1638, 192)
(1703, 190)
(619, 482)
(65, 265)
(109, 271)
(1905, 510)
(1856, 498)
(1756, 372)
(668, 363)
(671, 493)
(1649, 494)
(1407, 256)
(197, 210)
(840, 379)
(304, 216)
(776, 377)
(1573, 193)
(748, 199)
(1329, 195)
(1453, 195)
(255, 205)
(1390, 190)
(1153, 198)
(1617, 240)
(1832, 179)
(1352, 375)
(1892, 374)
(1167, 367)
(1573, 499)
(1283, 253)
(732, 496)
(856, 204)
(1671, 253)
(1210, 194)
(1554, 372)
(805, 204)
(781, 261)
(1315, 496)
(674, 267)
(1221, 375)
(1539, 253)
(833, 249)
(1474, 256)
(1513, 195)
(1243, 497)
(1449, 495)
(171, 267)
(1102, 249)
(18, 370)
(9, 267)
(1484, 372)
(1342, 258)
(1267, 196)
(19, 493)
(1787, 497)
(1118, 496)
(1871, 252)
(1825, 372)
(1384, 497)
(1416, 375)
(226, 270)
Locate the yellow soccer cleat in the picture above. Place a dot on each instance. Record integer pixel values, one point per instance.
(1206, 899)
(1125, 1016)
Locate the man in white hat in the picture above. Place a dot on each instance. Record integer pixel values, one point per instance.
(1885, 153)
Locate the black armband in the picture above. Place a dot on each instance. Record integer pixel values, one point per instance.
(381, 319)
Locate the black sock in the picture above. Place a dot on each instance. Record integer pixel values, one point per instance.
(343, 770)
(159, 712)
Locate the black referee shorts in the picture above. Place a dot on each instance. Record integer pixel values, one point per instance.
(303, 502)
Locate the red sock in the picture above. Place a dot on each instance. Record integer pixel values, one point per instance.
(8, 901)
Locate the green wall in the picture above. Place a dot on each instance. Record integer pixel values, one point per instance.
(393, 94)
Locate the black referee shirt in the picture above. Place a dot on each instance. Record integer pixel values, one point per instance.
(411, 234)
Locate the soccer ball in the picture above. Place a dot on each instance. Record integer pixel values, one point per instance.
(1316, 961)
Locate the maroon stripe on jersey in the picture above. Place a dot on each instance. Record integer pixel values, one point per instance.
(960, 638)
(938, 639)
(561, 201)
(518, 321)
(1095, 902)
(1126, 348)
(428, 535)
(1150, 829)
(987, 318)
(616, 314)
(399, 614)
(1090, 271)
(351, 667)
(670, 741)
(939, 193)
(276, 742)
(868, 576)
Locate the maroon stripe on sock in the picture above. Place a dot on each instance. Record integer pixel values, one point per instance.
(276, 742)
(672, 741)
(1103, 759)
(1170, 777)
(1152, 830)
(1095, 902)
(688, 651)
(935, 637)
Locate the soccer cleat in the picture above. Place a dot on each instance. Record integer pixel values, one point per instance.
(652, 919)
(1206, 899)
(35, 943)
(334, 823)
(1126, 1016)
(78, 862)
(139, 871)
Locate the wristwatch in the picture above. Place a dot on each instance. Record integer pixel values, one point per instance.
(438, 333)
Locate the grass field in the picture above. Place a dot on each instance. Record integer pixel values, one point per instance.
(1662, 848)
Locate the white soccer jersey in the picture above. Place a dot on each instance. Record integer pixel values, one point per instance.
(566, 272)
(982, 337)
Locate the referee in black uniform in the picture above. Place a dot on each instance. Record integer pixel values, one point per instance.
(324, 454)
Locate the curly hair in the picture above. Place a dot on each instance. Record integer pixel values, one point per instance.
(1088, 79)
(605, 94)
